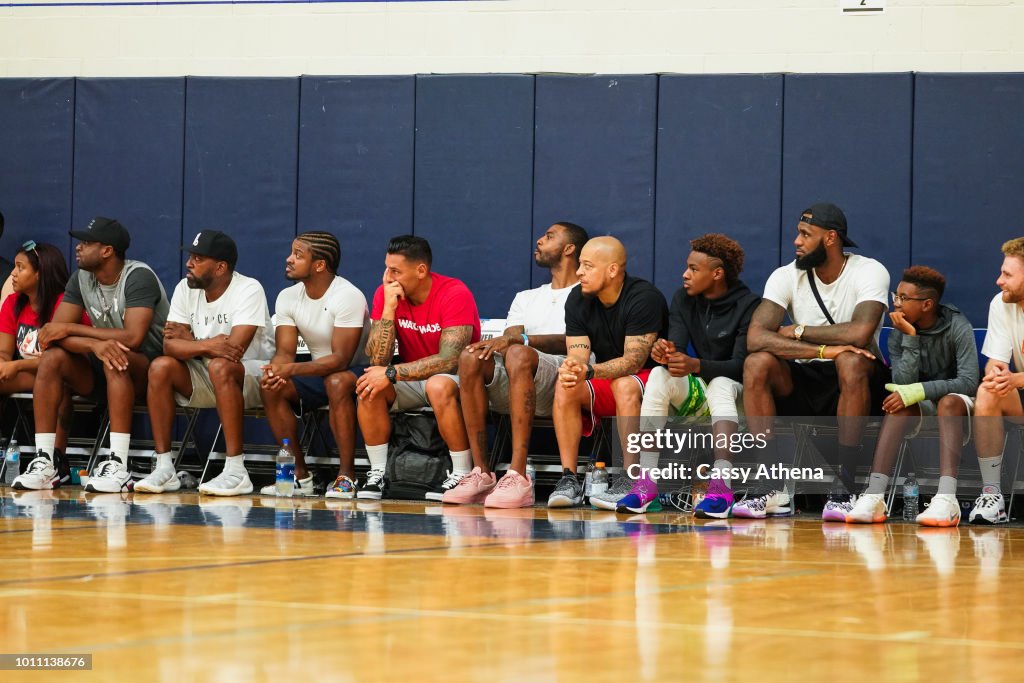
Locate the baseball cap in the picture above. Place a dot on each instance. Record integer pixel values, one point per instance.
(105, 231)
(214, 244)
(829, 217)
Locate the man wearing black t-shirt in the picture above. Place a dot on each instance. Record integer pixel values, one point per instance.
(617, 318)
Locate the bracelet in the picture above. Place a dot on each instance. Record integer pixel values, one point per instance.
(821, 352)
(526, 340)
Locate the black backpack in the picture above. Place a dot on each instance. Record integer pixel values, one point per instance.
(418, 459)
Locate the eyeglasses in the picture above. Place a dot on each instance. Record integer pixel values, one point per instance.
(28, 245)
(900, 298)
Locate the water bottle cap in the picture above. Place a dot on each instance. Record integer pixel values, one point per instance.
(599, 465)
(285, 442)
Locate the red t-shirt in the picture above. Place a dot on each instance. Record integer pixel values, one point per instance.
(25, 328)
(418, 328)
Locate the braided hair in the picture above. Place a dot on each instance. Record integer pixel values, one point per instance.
(324, 246)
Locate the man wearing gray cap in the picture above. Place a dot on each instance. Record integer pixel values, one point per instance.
(218, 336)
(108, 361)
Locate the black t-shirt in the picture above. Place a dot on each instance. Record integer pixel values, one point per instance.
(640, 309)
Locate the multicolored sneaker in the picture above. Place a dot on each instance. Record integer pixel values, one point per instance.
(836, 509)
(869, 509)
(942, 511)
(771, 504)
(642, 495)
(718, 502)
(989, 508)
(342, 487)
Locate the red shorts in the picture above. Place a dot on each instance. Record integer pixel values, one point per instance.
(602, 401)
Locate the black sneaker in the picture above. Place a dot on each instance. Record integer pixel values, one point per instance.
(450, 482)
(62, 467)
(373, 486)
(567, 493)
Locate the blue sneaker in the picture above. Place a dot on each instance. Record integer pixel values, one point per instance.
(643, 497)
(717, 504)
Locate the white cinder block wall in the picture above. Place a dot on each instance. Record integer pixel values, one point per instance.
(579, 36)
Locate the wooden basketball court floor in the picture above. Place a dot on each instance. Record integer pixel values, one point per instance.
(180, 587)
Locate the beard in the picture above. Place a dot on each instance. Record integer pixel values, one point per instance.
(194, 282)
(813, 259)
(1013, 296)
(546, 261)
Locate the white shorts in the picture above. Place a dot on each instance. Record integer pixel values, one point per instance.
(203, 395)
(930, 409)
(543, 380)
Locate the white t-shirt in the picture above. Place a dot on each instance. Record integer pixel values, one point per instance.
(540, 310)
(1005, 333)
(863, 279)
(242, 303)
(342, 305)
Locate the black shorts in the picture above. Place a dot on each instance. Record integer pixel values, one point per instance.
(816, 389)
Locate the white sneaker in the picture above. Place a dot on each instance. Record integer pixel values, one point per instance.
(228, 483)
(40, 475)
(989, 508)
(159, 480)
(943, 510)
(869, 509)
(303, 487)
(110, 476)
(769, 504)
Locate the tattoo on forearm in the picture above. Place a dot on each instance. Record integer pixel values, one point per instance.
(453, 340)
(635, 353)
(380, 346)
(579, 346)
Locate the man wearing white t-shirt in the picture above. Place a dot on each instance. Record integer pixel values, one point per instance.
(216, 339)
(999, 395)
(330, 314)
(516, 372)
(825, 362)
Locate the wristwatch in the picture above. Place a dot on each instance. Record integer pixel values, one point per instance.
(391, 373)
(798, 332)
(590, 371)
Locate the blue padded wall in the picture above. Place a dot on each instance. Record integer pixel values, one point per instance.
(474, 161)
(129, 147)
(847, 139)
(595, 160)
(719, 170)
(968, 172)
(36, 145)
(356, 166)
(241, 167)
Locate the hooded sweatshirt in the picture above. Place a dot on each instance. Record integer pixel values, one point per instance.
(717, 329)
(944, 358)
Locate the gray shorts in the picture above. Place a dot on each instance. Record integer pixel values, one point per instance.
(929, 409)
(412, 395)
(202, 388)
(544, 380)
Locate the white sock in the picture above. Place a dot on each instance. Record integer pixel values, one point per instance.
(378, 456)
(648, 460)
(877, 482)
(462, 461)
(163, 460)
(234, 463)
(119, 446)
(947, 486)
(45, 443)
(991, 469)
(722, 467)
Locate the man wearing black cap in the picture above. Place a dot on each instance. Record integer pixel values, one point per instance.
(826, 361)
(128, 307)
(218, 336)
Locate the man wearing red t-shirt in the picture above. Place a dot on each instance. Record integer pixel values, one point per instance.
(432, 318)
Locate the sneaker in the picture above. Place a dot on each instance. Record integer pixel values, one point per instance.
(63, 467)
(609, 500)
(773, 503)
(373, 486)
(640, 496)
(160, 480)
(836, 509)
(472, 488)
(869, 509)
(450, 482)
(567, 493)
(942, 511)
(39, 476)
(111, 476)
(513, 490)
(717, 503)
(989, 508)
(342, 487)
(303, 487)
(228, 483)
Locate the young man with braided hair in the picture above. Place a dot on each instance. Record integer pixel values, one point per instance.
(330, 315)
(711, 312)
(934, 373)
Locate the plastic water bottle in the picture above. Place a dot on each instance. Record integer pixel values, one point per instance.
(284, 483)
(12, 459)
(910, 498)
(588, 477)
(599, 482)
(531, 472)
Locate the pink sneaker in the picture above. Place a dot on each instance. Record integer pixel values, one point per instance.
(513, 491)
(473, 488)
